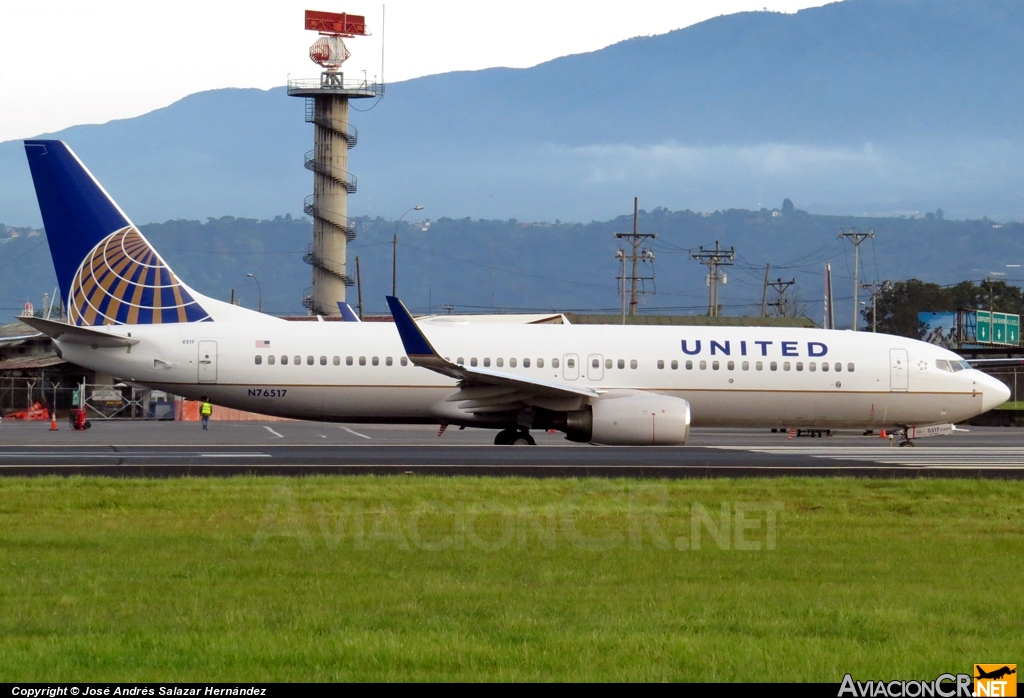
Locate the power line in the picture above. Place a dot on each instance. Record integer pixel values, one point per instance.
(638, 255)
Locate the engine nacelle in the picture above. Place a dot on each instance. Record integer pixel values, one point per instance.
(636, 420)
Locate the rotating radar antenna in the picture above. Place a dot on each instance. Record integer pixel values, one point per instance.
(329, 50)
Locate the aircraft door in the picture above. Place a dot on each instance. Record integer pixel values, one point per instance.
(207, 362)
(570, 367)
(899, 375)
(595, 367)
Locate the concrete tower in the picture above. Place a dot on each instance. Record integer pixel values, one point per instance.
(333, 136)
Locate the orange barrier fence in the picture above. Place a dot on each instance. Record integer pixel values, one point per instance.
(188, 411)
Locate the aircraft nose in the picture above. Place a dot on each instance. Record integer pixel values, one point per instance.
(993, 392)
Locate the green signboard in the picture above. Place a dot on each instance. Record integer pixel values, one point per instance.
(998, 328)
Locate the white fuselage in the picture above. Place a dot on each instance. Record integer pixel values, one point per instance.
(739, 376)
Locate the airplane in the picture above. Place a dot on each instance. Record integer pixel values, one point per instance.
(130, 316)
(995, 673)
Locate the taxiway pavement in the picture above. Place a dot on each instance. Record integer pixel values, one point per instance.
(168, 449)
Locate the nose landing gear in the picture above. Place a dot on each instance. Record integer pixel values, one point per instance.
(514, 437)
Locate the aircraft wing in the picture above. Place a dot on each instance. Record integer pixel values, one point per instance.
(480, 390)
(63, 332)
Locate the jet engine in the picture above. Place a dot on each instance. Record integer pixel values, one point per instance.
(636, 420)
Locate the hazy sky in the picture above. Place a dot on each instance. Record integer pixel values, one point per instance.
(90, 62)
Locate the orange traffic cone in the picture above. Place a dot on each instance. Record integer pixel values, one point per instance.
(883, 435)
(53, 420)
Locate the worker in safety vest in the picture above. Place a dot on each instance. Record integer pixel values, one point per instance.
(205, 410)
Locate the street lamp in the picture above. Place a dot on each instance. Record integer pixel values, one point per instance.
(394, 252)
(258, 289)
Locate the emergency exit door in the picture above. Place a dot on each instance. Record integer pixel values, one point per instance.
(207, 362)
(899, 375)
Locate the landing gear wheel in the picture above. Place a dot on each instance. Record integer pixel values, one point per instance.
(523, 438)
(513, 437)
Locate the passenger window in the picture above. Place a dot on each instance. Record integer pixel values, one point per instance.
(404, 361)
(298, 360)
(607, 363)
(540, 363)
(512, 363)
(774, 366)
(259, 359)
(472, 362)
(675, 365)
(270, 359)
(839, 367)
(714, 365)
(389, 361)
(731, 365)
(785, 365)
(460, 361)
(362, 360)
(849, 367)
(554, 363)
(703, 365)
(799, 365)
(487, 362)
(746, 365)
(323, 360)
(526, 363)
(348, 360)
(284, 360)
(596, 363)
(499, 362)
(689, 365)
(759, 366)
(812, 367)
(632, 363)
(621, 363)
(337, 361)
(824, 366)
(375, 361)
(661, 364)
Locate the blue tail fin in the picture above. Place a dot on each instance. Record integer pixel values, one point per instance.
(108, 272)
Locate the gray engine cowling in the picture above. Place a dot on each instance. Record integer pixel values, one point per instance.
(636, 420)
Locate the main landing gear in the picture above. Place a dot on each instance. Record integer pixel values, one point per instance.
(514, 437)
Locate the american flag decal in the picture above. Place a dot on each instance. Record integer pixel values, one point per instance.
(262, 343)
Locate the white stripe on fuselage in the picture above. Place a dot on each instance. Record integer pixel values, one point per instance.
(371, 390)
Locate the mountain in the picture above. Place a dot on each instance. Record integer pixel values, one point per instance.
(862, 106)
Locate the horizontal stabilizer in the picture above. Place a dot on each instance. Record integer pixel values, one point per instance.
(63, 332)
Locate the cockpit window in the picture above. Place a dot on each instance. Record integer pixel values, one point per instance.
(942, 364)
(955, 366)
(966, 364)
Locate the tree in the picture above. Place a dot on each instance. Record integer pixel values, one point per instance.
(788, 207)
(899, 305)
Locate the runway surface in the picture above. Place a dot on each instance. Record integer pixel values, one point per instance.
(168, 449)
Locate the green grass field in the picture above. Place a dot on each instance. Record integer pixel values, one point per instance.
(417, 578)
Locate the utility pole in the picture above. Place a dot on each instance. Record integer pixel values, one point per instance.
(875, 289)
(829, 321)
(621, 254)
(359, 288)
(713, 260)
(646, 255)
(856, 238)
(764, 292)
(780, 287)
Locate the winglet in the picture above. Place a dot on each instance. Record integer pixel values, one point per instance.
(417, 346)
(347, 314)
